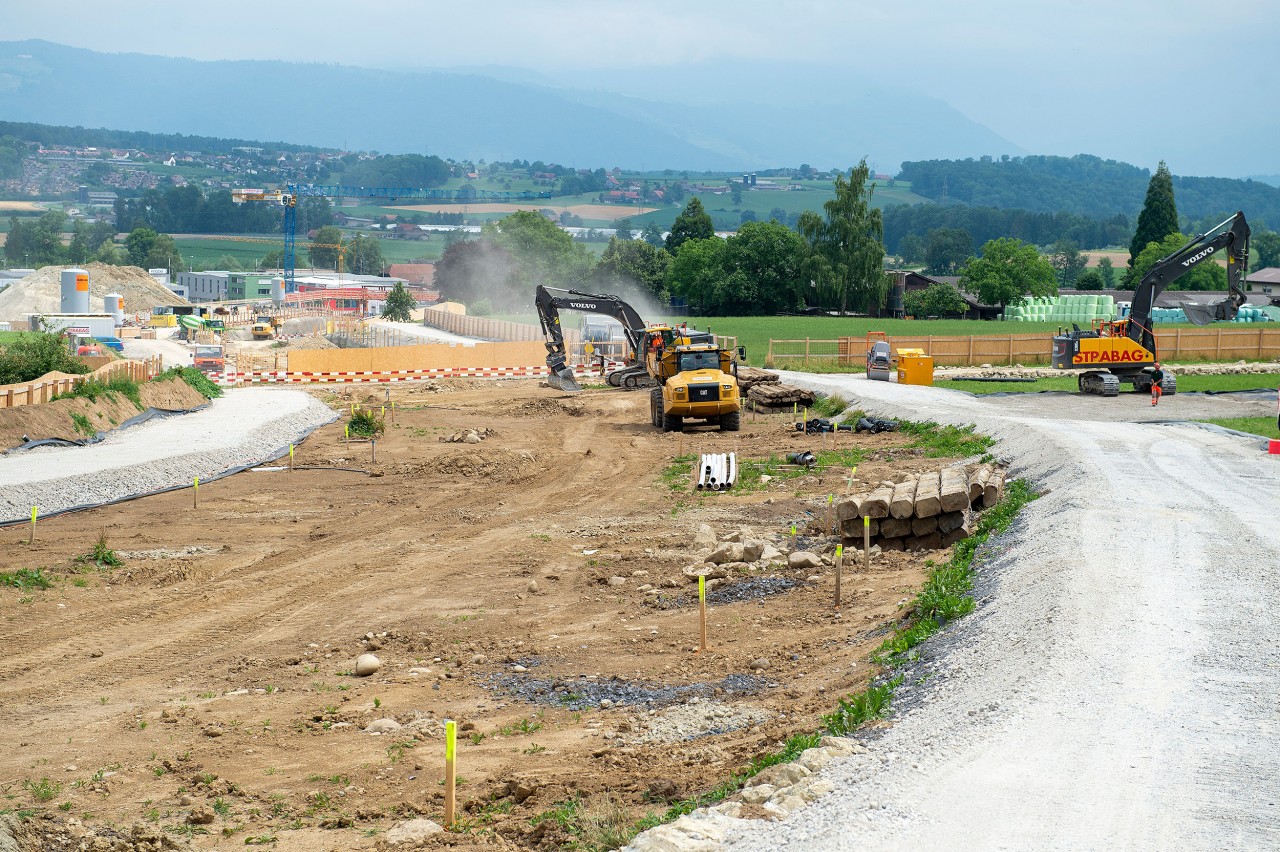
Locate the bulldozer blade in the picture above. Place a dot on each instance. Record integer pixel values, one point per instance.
(563, 379)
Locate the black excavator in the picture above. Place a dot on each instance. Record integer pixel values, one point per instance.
(1124, 350)
(633, 374)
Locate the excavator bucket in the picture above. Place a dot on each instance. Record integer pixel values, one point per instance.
(1205, 314)
(563, 379)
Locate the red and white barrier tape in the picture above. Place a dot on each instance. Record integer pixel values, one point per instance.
(354, 376)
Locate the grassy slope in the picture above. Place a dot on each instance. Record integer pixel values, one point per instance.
(1264, 426)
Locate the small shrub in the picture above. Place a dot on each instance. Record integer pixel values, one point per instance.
(43, 790)
(26, 578)
(102, 556)
(193, 377)
(366, 424)
(82, 424)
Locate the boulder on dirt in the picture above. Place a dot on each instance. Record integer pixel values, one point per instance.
(752, 549)
(729, 551)
(802, 559)
(382, 726)
(709, 570)
(200, 815)
(705, 537)
(412, 831)
(367, 664)
(769, 553)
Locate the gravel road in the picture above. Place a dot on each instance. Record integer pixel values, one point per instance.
(246, 426)
(173, 353)
(425, 332)
(1118, 686)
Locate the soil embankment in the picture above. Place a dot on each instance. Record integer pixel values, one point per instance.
(81, 418)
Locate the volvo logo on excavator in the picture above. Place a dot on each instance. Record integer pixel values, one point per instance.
(1199, 256)
(584, 306)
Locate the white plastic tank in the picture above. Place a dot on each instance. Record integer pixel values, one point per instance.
(277, 292)
(113, 303)
(75, 291)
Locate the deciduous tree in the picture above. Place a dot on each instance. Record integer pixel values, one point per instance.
(1066, 259)
(1007, 270)
(946, 250)
(939, 300)
(693, 223)
(323, 251)
(400, 305)
(1107, 272)
(846, 247)
(1205, 275)
(1268, 245)
(633, 264)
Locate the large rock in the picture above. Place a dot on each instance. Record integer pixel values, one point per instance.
(753, 549)
(367, 664)
(729, 551)
(412, 831)
(705, 537)
(382, 726)
(803, 559)
(705, 569)
(770, 553)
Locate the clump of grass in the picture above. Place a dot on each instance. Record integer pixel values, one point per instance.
(828, 406)
(26, 578)
(193, 377)
(366, 424)
(82, 424)
(43, 790)
(102, 556)
(939, 441)
(855, 711)
(92, 389)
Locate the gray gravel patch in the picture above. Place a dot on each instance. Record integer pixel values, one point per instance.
(245, 427)
(583, 692)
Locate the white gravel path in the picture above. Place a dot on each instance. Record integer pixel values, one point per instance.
(246, 426)
(425, 332)
(173, 353)
(1118, 686)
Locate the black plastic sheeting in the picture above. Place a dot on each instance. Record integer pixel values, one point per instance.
(282, 451)
(140, 417)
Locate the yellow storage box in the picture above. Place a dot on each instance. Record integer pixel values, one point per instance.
(914, 367)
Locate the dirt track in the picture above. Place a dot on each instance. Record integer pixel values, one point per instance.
(215, 664)
(1117, 686)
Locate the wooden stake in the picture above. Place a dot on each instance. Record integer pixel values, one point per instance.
(702, 613)
(866, 544)
(291, 458)
(195, 494)
(831, 512)
(31, 539)
(839, 571)
(450, 776)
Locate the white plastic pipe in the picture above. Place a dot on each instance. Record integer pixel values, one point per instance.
(733, 469)
(704, 472)
(722, 463)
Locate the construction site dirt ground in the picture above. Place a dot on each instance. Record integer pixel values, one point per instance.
(205, 687)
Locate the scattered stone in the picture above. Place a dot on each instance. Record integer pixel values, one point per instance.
(532, 587)
(710, 571)
(212, 731)
(382, 726)
(705, 537)
(367, 664)
(729, 551)
(617, 581)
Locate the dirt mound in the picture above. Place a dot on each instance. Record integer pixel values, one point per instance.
(79, 418)
(544, 408)
(41, 291)
(498, 465)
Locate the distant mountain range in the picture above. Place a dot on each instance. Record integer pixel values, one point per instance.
(503, 116)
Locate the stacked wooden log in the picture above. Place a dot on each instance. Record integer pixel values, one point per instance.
(776, 395)
(925, 512)
(749, 377)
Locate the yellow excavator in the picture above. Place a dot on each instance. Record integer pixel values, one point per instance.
(1124, 350)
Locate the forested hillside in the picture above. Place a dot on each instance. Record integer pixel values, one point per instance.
(1082, 184)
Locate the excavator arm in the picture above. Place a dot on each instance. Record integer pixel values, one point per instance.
(549, 307)
(1230, 235)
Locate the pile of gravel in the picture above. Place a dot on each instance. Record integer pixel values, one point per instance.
(697, 718)
(245, 427)
(581, 693)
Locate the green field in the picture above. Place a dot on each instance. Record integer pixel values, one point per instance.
(1264, 426)
(203, 252)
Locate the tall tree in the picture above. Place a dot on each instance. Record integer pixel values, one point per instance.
(1065, 257)
(324, 249)
(1268, 245)
(1090, 280)
(946, 250)
(1007, 270)
(1159, 216)
(1107, 272)
(693, 223)
(543, 253)
(399, 305)
(652, 234)
(147, 249)
(364, 256)
(635, 264)
(846, 248)
(939, 300)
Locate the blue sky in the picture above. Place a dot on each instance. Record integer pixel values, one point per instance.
(1138, 80)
